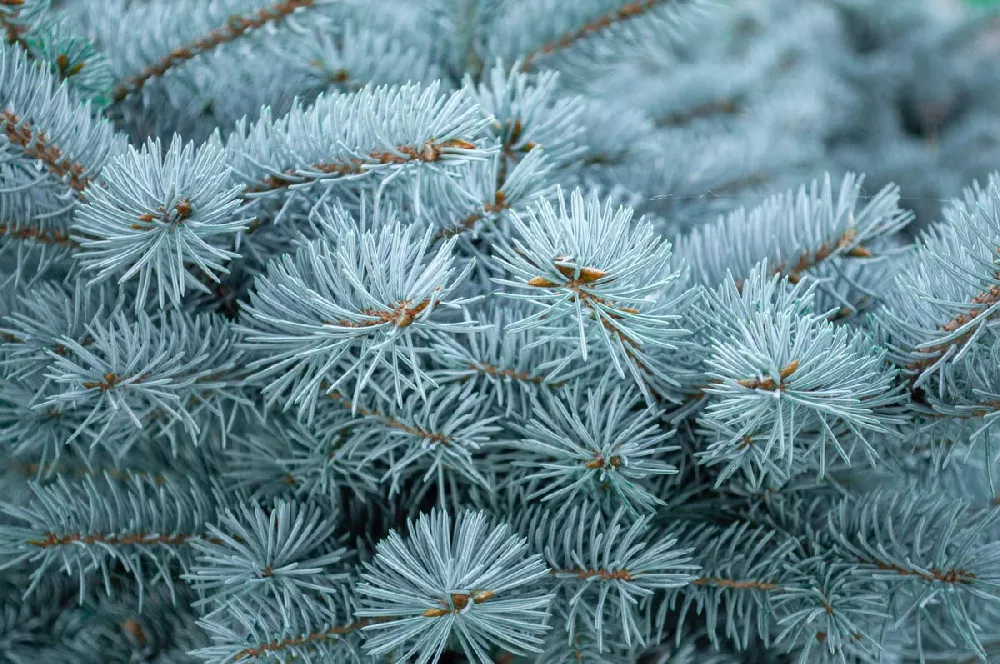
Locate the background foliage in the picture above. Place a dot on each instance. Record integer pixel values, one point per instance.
(499, 331)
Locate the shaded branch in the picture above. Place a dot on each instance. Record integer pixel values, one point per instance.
(305, 639)
(388, 420)
(52, 540)
(39, 235)
(622, 14)
(236, 26)
(735, 584)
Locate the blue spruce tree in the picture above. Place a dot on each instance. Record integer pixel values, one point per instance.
(499, 332)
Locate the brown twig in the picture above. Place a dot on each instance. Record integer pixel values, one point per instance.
(512, 374)
(403, 154)
(809, 260)
(37, 469)
(305, 639)
(402, 315)
(734, 584)
(496, 207)
(388, 420)
(951, 576)
(39, 235)
(604, 574)
(135, 539)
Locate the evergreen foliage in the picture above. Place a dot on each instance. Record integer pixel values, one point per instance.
(498, 331)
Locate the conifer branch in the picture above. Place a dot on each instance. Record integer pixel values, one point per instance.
(39, 235)
(498, 205)
(479, 557)
(305, 639)
(812, 231)
(729, 107)
(736, 584)
(48, 40)
(38, 469)
(590, 573)
(931, 575)
(52, 540)
(983, 302)
(511, 374)
(810, 260)
(236, 26)
(388, 420)
(627, 12)
(403, 154)
(35, 145)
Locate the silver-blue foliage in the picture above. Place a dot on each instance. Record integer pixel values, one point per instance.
(482, 331)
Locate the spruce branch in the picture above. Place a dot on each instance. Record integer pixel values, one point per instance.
(37, 321)
(608, 19)
(144, 461)
(829, 609)
(508, 368)
(443, 431)
(787, 383)
(47, 124)
(588, 267)
(428, 152)
(444, 127)
(295, 643)
(494, 190)
(527, 113)
(252, 631)
(37, 247)
(810, 232)
(379, 132)
(466, 581)
(235, 27)
(283, 455)
(165, 219)
(957, 262)
(48, 39)
(941, 554)
(597, 442)
(605, 566)
(346, 58)
(93, 525)
(741, 573)
(964, 419)
(288, 553)
(137, 371)
(48, 236)
(330, 314)
(36, 145)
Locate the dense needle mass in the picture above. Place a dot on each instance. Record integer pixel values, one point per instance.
(499, 332)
